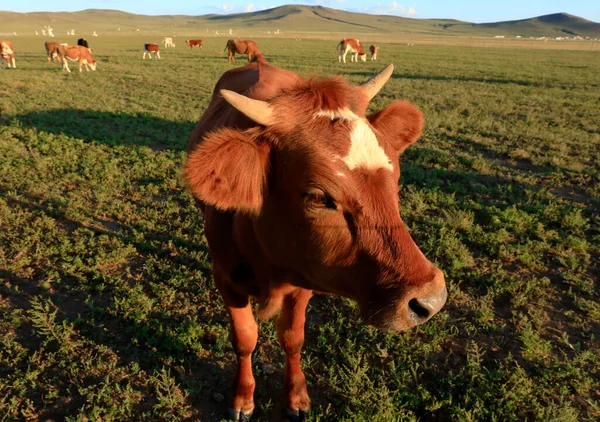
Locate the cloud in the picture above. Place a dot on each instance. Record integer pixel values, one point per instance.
(390, 8)
(250, 8)
(225, 7)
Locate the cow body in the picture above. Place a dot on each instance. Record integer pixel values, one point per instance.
(7, 54)
(151, 49)
(352, 46)
(77, 53)
(300, 193)
(373, 49)
(193, 43)
(241, 47)
(83, 42)
(168, 42)
(53, 51)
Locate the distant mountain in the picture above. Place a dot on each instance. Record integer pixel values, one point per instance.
(294, 18)
(562, 24)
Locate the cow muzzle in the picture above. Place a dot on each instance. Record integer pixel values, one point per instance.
(413, 305)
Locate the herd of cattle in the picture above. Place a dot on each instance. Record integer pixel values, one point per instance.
(62, 53)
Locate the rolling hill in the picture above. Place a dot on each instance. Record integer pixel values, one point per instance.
(293, 18)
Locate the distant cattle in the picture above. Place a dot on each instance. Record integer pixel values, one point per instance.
(241, 47)
(82, 42)
(151, 49)
(374, 50)
(193, 43)
(168, 42)
(77, 53)
(53, 51)
(352, 46)
(7, 54)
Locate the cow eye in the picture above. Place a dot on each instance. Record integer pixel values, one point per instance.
(316, 198)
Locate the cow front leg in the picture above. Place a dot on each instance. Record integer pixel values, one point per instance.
(244, 334)
(290, 332)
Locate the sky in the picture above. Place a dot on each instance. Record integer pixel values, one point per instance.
(478, 11)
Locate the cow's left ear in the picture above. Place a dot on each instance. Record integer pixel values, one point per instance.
(401, 122)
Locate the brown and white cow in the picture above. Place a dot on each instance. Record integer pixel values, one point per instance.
(299, 192)
(352, 46)
(7, 54)
(151, 49)
(77, 53)
(193, 43)
(373, 49)
(53, 51)
(241, 47)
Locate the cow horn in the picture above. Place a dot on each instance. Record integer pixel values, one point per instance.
(256, 110)
(373, 85)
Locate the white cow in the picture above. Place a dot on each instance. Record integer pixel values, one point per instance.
(168, 41)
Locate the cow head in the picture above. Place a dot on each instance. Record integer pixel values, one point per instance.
(93, 64)
(319, 180)
(363, 57)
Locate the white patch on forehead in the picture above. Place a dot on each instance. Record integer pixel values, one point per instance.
(365, 150)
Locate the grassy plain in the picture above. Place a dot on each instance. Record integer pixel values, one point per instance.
(107, 308)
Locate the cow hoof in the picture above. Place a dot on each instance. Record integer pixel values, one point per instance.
(296, 415)
(238, 415)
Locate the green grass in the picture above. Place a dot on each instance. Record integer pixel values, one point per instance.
(107, 307)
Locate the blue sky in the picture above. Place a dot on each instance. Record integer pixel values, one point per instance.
(468, 10)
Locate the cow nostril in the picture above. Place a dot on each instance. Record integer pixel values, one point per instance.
(418, 309)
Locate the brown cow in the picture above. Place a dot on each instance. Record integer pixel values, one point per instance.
(353, 46)
(77, 53)
(193, 43)
(151, 49)
(299, 192)
(53, 51)
(374, 50)
(241, 47)
(7, 54)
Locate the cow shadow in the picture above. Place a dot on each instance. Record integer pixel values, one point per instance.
(111, 128)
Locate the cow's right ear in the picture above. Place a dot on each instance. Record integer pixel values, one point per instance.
(228, 170)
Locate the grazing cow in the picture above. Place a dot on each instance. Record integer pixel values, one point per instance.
(53, 51)
(352, 46)
(241, 47)
(374, 50)
(299, 192)
(83, 42)
(193, 43)
(168, 41)
(7, 54)
(77, 53)
(151, 49)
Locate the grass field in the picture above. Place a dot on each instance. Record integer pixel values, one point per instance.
(107, 307)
